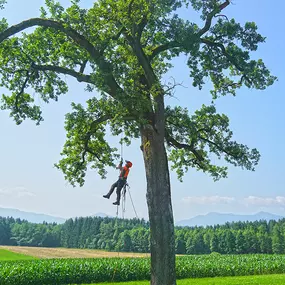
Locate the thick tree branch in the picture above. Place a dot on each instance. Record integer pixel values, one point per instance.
(114, 38)
(210, 17)
(102, 119)
(222, 16)
(207, 26)
(79, 39)
(74, 60)
(82, 66)
(130, 8)
(196, 162)
(141, 26)
(152, 84)
(97, 122)
(227, 55)
(164, 47)
(142, 58)
(58, 69)
(106, 68)
(93, 128)
(22, 90)
(172, 142)
(220, 148)
(89, 150)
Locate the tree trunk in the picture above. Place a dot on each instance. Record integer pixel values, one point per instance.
(162, 244)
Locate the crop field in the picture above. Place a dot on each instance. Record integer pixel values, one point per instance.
(96, 270)
(43, 252)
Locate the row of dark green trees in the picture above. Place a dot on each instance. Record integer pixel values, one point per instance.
(133, 235)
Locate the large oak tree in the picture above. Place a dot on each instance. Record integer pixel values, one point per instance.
(122, 49)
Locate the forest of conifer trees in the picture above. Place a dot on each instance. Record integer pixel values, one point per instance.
(133, 236)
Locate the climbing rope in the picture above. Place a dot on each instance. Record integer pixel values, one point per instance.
(132, 200)
(124, 200)
(124, 190)
(122, 146)
(116, 226)
(122, 151)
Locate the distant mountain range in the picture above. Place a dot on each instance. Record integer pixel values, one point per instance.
(201, 220)
(102, 215)
(37, 218)
(217, 218)
(31, 217)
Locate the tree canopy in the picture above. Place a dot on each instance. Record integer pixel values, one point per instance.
(122, 49)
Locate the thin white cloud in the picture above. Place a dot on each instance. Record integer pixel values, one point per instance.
(208, 200)
(265, 201)
(17, 192)
(246, 201)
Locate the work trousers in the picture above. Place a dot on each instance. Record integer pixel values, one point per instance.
(120, 183)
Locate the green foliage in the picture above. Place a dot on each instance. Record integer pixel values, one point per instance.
(86, 144)
(23, 233)
(277, 240)
(2, 2)
(122, 49)
(205, 133)
(70, 271)
(3, 24)
(134, 236)
(83, 137)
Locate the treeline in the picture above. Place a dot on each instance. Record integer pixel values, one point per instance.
(133, 235)
(20, 232)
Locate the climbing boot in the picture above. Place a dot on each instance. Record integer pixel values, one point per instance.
(116, 203)
(106, 196)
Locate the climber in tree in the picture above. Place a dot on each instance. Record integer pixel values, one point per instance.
(121, 181)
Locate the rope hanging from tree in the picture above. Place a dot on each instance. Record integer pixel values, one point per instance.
(124, 190)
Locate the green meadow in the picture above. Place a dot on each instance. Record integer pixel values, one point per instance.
(276, 279)
(6, 255)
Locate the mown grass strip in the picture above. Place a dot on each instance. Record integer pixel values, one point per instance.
(276, 279)
(9, 255)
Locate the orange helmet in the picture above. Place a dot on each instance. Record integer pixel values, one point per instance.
(129, 164)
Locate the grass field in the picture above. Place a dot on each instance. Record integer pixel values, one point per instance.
(43, 252)
(276, 279)
(9, 255)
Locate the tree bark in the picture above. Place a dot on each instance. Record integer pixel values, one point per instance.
(162, 244)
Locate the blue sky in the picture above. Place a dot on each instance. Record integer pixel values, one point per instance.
(30, 182)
